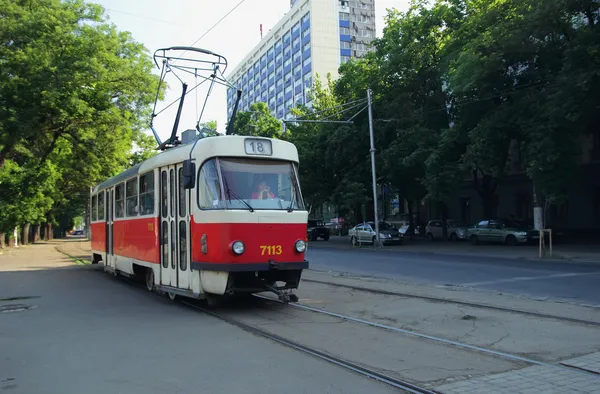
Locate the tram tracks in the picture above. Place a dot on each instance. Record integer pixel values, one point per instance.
(457, 344)
(357, 365)
(349, 365)
(456, 302)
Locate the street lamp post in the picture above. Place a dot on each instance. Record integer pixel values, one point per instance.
(375, 209)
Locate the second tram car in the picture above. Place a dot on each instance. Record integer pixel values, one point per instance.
(215, 216)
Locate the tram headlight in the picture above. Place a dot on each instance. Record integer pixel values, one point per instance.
(300, 246)
(238, 247)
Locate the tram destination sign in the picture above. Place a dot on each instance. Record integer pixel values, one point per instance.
(258, 146)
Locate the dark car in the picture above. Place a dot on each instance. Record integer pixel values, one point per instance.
(316, 229)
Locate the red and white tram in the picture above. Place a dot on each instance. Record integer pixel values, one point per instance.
(217, 216)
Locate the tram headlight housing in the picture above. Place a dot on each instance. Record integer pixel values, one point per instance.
(300, 246)
(238, 247)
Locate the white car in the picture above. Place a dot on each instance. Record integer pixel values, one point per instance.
(365, 233)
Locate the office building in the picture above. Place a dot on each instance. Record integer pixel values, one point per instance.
(314, 37)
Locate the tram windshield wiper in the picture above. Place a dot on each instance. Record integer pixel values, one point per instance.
(291, 207)
(230, 194)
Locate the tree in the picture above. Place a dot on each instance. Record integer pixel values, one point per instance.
(258, 121)
(74, 97)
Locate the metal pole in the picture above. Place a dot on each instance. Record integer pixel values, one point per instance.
(373, 167)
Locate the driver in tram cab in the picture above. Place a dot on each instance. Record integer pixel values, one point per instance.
(262, 192)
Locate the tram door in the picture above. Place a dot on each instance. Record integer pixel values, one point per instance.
(110, 217)
(183, 230)
(168, 219)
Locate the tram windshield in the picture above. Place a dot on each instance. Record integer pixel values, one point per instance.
(234, 183)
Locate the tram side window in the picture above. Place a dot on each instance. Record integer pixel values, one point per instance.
(147, 194)
(209, 190)
(120, 200)
(131, 197)
(94, 208)
(101, 205)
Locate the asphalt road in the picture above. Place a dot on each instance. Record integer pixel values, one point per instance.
(568, 281)
(90, 333)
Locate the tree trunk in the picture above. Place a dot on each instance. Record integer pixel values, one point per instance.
(487, 200)
(36, 233)
(411, 220)
(2, 237)
(50, 232)
(46, 235)
(444, 213)
(25, 235)
(11, 240)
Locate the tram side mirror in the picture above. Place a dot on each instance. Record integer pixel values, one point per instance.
(189, 174)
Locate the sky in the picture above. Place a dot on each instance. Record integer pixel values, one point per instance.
(166, 23)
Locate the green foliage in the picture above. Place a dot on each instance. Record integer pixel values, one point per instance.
(462, 89)
(75, 96)
(258, 121)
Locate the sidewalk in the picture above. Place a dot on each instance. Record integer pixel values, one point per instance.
(561, 253)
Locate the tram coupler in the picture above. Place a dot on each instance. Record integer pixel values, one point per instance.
(284, 296)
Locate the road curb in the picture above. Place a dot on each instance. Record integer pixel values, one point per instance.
(469, 255)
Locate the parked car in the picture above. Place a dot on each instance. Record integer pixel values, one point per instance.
(316, 229)
(455, 230)
(502, 231)
(405, 230)
(365, 233)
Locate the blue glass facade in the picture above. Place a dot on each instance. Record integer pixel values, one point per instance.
(282, 77)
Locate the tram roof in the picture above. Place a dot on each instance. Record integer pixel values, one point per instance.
(224, 145)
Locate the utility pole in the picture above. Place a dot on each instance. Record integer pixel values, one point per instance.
(375, 210)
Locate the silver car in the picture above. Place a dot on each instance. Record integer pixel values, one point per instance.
(365, 233)
(455, 231)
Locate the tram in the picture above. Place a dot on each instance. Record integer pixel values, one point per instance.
(209, 216)
(218, 216)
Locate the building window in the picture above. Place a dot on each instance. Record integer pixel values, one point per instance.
(305, 32)
(278, 59)
(296, 28)
(286, 53)
(279, 96)
(271, 63)
(297, 68)
(278, 70)
(287, 36)
(297, 82)
(288, 89)
(344, 59)
(344, 16)
(344, 30)
(306, 47)
(279, 86)
(306, 62)
(272, 102)
(296, 41)
(271, 89)
(270, 52)
(287, 62)
(278, 45)
(308, 79)
(305, 17)
(344, 45)
(289, 104)
(365, 18)
(365, 33)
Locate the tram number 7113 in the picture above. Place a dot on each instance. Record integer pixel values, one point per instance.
(271, 249)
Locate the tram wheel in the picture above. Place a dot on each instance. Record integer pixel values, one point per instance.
(150, 279)
(172, 296)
